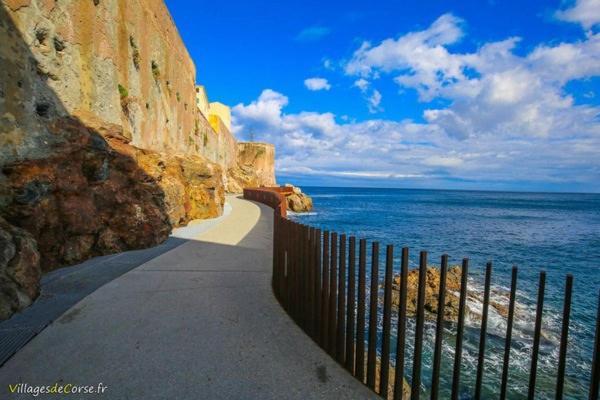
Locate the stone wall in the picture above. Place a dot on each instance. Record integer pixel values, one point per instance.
(121, 61)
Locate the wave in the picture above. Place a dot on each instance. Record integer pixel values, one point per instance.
(302, 214)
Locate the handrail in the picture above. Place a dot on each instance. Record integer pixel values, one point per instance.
(273, 197)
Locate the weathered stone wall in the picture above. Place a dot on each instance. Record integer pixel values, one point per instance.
(123, 61)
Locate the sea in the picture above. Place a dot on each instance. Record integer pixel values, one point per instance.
(558, 233)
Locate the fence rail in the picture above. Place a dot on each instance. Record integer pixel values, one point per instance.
(316, 281)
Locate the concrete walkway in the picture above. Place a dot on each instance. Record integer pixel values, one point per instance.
(197, 322)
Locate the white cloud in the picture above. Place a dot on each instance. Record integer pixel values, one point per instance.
(312, 143)
(373, 99)
(492, 90)
(422, 52)
(584, 12)
(265, 111)
(374, 102)
(315, 84)
(362, 84)
(507, 117)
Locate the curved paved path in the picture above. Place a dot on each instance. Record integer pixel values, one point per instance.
(197, 322)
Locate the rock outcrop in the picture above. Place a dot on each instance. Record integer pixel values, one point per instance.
(432, 288)
(97, 194)
(298, 201)
(19, 269)
(391, 381)
(255, 167)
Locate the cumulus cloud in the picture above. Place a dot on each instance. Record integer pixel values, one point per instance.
(584, 12)
(316, 84)
(422, 53)
(492, 90)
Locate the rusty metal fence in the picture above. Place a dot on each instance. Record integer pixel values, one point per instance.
(320, 279)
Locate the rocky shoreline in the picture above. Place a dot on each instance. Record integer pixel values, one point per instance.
(452, 296)
(298, 201)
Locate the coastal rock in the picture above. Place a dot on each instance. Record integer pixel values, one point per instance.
(98, 194)
(391, 380)
(69, 199)
(192, 186)
(19, 269)
(298, 201)
(432, 287)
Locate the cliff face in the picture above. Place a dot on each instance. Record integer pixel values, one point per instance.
(121, 61)
(102, 146)
(255, 166)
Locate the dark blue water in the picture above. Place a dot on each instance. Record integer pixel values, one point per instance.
(557, 233)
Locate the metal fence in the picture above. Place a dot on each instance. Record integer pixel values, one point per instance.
(322, 284)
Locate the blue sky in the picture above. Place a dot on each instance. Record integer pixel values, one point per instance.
(492, 95)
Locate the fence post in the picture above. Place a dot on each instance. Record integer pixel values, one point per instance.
(325, 293)
(307, 280)
(560, 380)
(311, 281)
(360, 311)
(483, 330)
(509, 324)
(350, 305)
(286, 281)
(439, 329)
(274, 272)
(297, 276)
(418, 349)
(373, 299)
(401, 339)
(460, 329)
(536, 336)
(317, 287)
(333, 296)
(341, 315)
(387, 322)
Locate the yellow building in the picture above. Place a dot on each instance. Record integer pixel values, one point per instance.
(202, 101)
(221, 111)
(217, 114)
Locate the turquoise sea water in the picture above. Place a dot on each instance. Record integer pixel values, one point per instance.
(557, 233)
